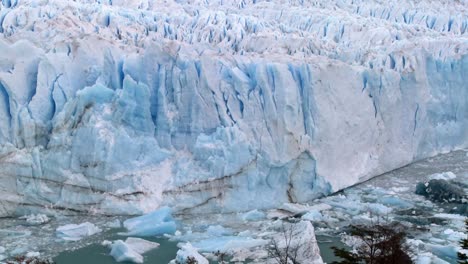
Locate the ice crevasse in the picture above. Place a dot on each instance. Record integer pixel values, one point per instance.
(120, 107)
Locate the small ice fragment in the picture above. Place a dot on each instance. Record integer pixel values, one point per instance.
(33, 254)
(114, 224)
(313, 216)
(254, 215)
(106, 243)
(443, 176)
(218, 230)
(38, 219)
(140, 245)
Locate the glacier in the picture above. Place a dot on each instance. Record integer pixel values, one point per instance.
(124, 106)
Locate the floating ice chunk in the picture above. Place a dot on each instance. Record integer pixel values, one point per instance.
(453, 236)
(186, 251)
(254, 215)
(19, 251)
(38, 219)
(400, 189)
(443, 176)
(106, 243)
(2, 250)
(295, 208)
(156, 223)
(378, 209)
(14, 233)
(121, 252)
(73, 232)
(2, 257)
(114, 224)
(140, 245)
(450, 216)
(428, 258)
(228, 243)
(218, 230)
(445, 252)
(33, 254)
(313, 216)
(394, 201)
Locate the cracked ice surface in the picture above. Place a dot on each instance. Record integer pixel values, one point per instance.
(120, 107)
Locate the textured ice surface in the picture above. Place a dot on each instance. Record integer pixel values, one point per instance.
(120, 107)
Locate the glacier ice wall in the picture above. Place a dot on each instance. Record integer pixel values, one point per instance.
(119, 107)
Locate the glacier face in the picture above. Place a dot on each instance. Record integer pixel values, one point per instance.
(119, 107)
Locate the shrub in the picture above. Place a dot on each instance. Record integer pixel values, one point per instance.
(379, 244)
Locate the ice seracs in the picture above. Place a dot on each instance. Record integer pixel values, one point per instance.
(121, 107)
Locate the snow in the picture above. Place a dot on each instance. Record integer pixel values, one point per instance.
(122, 107)
(74, 232)
(187, 250)
(156, 223)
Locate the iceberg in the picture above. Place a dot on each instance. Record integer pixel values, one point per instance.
(156, 223)
(122, 252)
(75, 232)
(123, 107)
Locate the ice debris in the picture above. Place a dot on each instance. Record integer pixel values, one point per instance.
(38, 219)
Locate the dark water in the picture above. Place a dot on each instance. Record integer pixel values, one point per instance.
(325, 243)
(98, 254)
